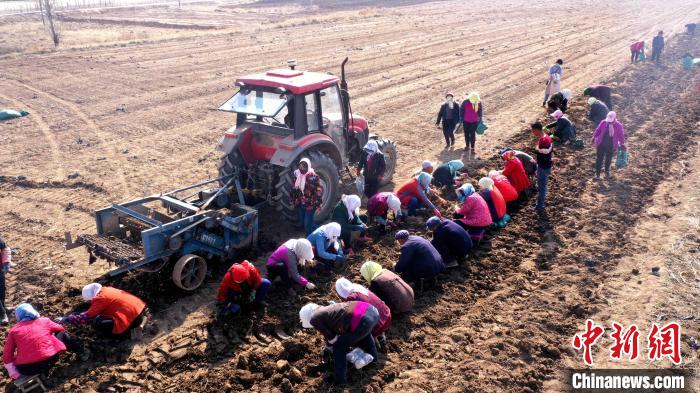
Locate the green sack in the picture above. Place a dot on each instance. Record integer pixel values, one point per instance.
(7, 114)
(621, 161)
(481, 128)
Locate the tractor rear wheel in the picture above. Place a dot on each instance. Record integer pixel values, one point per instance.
(329, 177)
(388, 147)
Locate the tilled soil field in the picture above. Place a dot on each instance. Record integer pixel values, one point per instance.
(501, 323)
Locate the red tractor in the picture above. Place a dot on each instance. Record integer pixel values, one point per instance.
(285, 115)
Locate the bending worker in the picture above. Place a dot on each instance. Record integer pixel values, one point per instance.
(419, 260)
(242, 284)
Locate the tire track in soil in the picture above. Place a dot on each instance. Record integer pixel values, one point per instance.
(101, 136)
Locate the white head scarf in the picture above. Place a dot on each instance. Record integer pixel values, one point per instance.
(372, 146)
(91, 290)
(302, 249)
(566, 93)
(426, 164)
(486, 183)
(305, 314)
(300, 181)
(344, 288)
(332, 231)
(494, 173)
(352, 203)
(394, 203)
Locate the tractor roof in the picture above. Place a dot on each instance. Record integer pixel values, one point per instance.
(295, 81)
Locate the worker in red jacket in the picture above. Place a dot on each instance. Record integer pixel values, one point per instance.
(114, 313)
(509, 193)
(242, 284)
(35, 343)
(515, 172)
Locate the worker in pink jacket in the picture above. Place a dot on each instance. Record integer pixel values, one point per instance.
(34, 344)
(473, 215)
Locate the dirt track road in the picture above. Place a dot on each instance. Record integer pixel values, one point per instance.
(492, 328)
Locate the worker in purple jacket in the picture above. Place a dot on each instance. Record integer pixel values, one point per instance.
(418, 260)
(343, 325)
(608, 137)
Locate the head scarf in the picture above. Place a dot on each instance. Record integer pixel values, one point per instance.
(394, 203)
(611, 118)
(372, 146)
(432, 222)
(426, 164)
(25, 312)
(352, 203)
(305, 314)
(557, 114)
(494, 173)
(464, 191)
(332, 231)
(402, 235)
(486, 183)
(591, 101)
(566, 93)
(344, 288)
(508, 155)
(91, 290)
(300, 181)
(474, 98)
(424, 179)
(239, 273)
(456, 165)
(302, 249)
(370, 270)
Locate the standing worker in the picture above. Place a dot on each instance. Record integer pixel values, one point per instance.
(343, 325)
(419, 260)
(6, 259)
(374, 165)
(472, 114)
(307, 194)
(285, 262)
(657, 46)
(553, 80)
(449, 115)
(241, 285)
(608, 137)
(545, 150)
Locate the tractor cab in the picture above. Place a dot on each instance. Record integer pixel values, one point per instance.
(291, 104)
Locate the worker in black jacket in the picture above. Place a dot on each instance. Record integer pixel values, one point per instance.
(597, 112)
(657, 46)
(372, 165)
(449, 115)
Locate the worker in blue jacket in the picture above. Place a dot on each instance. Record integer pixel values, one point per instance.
(449, 239)
(324, 241)
(418, 260)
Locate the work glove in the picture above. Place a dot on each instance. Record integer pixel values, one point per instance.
(12, 370)
(6, 267)
(251, 296)
(310, 286)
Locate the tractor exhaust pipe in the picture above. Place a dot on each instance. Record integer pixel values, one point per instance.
(345, 94)
(343, 81)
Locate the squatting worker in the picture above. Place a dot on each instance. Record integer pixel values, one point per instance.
(34, 344)
(343, 325)
(114, 312)
(241, 285)
(389, 287)
(285, 262)
(449, 116)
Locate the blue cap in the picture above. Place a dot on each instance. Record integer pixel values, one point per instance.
(402, 235)
(432, 222)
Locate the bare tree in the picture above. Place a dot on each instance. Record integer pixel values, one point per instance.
(48, 15)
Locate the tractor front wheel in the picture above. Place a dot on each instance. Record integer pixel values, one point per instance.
(329, 177)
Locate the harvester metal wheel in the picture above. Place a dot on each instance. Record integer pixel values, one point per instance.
(189, 272)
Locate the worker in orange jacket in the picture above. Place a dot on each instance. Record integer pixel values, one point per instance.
(242, 284)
